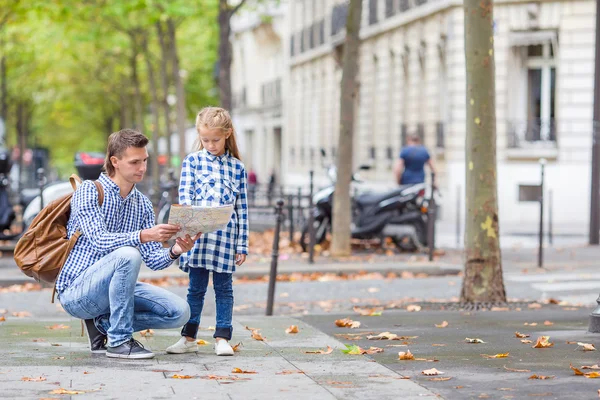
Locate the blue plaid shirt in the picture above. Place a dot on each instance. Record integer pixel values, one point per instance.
(105, 229)
(208, 180)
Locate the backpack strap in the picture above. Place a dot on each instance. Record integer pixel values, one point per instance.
(100, 192)
(74, 179)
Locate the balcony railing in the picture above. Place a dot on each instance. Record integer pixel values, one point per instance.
(271, 92)
(524, 133)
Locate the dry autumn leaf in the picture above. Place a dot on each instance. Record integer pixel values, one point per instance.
(374, 350)
(29, 379)
(236, 348)
(255, 335)
(586, 346)
(530, 324)
(241, 371)
(548, 323)
(542, 377)
(542, 343)
(287, 372)
(369, 312)
(202, 342)
(413, 308)
(442, 325)
(292, 329)
(65, 391)
(592, 374)
(476, 340)
(177, 376)
(516, 370)
(521, 335)
(21, 314)
(595, 366)
(526, 341)
(384, 336)
(347, 323)
(441, 378)
(499, 355)
(328, 351)
(147, 333)
(405, 355)
(432, 371)
(2, 319)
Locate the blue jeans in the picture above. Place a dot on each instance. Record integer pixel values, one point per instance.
(222, 283)
(109, 292)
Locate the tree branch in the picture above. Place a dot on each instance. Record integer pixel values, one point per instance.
(236, 8)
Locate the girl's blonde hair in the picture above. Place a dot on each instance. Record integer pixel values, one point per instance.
(218, 118)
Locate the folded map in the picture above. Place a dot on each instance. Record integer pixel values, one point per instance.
(194, 219)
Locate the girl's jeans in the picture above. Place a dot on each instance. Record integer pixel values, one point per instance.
(222, 283)
(109, 292)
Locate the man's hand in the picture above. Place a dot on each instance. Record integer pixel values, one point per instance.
(184, 245)
(239, 259)
(159, 233)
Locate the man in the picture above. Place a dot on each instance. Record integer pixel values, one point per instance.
(98, 282)
(410, 167)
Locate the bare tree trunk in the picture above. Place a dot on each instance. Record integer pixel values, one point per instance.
(342, 214)
(21, 140)
(155, 117)
(137, 94)
(179, 91)
(124, 120)
(108, 125)
(483, 267)
(225, 52)
(3, 89)
(164, 79)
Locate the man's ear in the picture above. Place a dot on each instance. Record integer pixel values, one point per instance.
(113, 161)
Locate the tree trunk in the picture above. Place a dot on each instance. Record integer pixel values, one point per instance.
(137, 94)
(155, 117)
(179, 91)
(342, 215)
(3, 90)
(483, 267)
(124, 120)
(225, 56)
(164, 80)
(21, 128)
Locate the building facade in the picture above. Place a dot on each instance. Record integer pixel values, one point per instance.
(258, 69)
(412, 81)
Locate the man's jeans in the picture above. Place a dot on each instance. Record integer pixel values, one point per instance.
(109, 292)
(222, 283)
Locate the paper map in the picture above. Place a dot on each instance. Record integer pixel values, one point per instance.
(194, 219)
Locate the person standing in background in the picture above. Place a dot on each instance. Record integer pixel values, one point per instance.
(410, 166)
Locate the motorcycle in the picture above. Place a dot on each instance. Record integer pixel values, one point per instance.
(400, 214)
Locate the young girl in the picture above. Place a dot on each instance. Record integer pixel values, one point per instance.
(213, 176)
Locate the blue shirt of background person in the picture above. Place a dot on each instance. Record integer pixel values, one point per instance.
(410, 167)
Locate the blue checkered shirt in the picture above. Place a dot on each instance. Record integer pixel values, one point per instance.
(117, 223)
(208, 180)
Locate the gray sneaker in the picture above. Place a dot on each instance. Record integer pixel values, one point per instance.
(131, 349)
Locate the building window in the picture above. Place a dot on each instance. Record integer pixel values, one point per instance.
(405, 5)
(372, 153)
(390, 8)
(534, 93)
(373, 12)
(403, 134)
(339, 13)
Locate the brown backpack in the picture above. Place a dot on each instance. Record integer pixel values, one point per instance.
(44, 247)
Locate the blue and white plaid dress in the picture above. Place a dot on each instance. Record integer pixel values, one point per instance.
(208, 180)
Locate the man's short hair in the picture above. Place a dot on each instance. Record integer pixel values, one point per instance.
(414, 139)
(120, 141)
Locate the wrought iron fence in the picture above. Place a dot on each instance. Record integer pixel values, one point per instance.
(521, 133)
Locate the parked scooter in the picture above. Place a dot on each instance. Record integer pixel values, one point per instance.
(400, 214)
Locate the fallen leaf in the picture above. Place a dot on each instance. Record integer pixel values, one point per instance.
(384, 336)
(224, 378)
(521, 335)
(542, 343)
(236, 348)
(438, 345)
(38, 340)
(413, 308)
(369, 312)
(530, 324)
(241, 371)
(440, 378)
(255, 335)
(147, 333)
(328, 351)
(373, 290)
(432, 371)
(176, 376)
(469, 340)
(587, 346)
(595, 366)
(28, 379)
(2, 319)
(499, 355)
(65, 391)
(442, 325)
(548, 323)
(534, 306)
(292, 329)
(58, 358)
(287, 372)
(405, 355)
(202, 342)
(374, 350)
(516, 370)
(87, 373)
(526, 341)
(592, 374)
(21, 314)
(55, 344)
(542, 377)
(354, 349)
(347, 323)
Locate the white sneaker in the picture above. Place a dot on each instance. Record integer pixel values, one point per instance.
(222, 348)
(183, 346)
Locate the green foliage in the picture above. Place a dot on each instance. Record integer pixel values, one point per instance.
(70, 61)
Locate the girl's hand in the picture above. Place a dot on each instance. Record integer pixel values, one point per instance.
(183, 245)
(239, 259)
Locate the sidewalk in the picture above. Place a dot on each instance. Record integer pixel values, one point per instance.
(61, 360)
